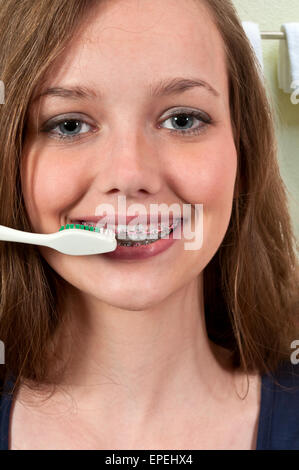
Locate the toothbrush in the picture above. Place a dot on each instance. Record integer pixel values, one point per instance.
(70, 240)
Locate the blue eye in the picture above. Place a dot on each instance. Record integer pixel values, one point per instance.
(68, 128)
(186, 118)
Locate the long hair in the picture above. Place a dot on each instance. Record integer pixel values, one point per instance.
(250, 285)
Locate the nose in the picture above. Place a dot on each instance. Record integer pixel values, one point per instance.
(132, 166)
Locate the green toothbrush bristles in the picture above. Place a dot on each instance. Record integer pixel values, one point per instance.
(82, 227)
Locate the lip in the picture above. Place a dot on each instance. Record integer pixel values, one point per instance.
(142, 252)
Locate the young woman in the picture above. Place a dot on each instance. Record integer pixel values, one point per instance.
(158, 102)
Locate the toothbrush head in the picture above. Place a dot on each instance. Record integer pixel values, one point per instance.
(80, 240)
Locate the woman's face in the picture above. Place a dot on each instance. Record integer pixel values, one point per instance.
(128, 145)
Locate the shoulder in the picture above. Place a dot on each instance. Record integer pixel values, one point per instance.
(279, 415)
(6, 394)
(285, 378)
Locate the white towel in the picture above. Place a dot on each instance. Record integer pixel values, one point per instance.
(288, 61)
(253, 33)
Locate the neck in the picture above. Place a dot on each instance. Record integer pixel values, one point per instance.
(147, 355)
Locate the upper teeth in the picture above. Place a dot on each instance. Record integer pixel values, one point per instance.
(139, 231)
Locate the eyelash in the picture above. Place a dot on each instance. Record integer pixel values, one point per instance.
(198, 115)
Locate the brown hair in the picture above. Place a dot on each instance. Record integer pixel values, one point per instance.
(250, 285)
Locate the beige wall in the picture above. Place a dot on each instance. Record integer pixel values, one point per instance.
(270, 15)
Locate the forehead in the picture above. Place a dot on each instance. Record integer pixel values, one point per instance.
(126, 44)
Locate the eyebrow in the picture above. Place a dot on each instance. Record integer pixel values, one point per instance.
(164, 87)
(73, 92)
(179, 85)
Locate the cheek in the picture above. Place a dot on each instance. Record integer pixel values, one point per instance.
(49, 185)
(207, 175)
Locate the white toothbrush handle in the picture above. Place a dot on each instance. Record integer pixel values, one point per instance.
(13, 235)
(75, 242)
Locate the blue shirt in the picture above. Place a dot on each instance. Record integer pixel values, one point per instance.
(278, 426)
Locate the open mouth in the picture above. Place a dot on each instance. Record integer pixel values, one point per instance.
(137, 235)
